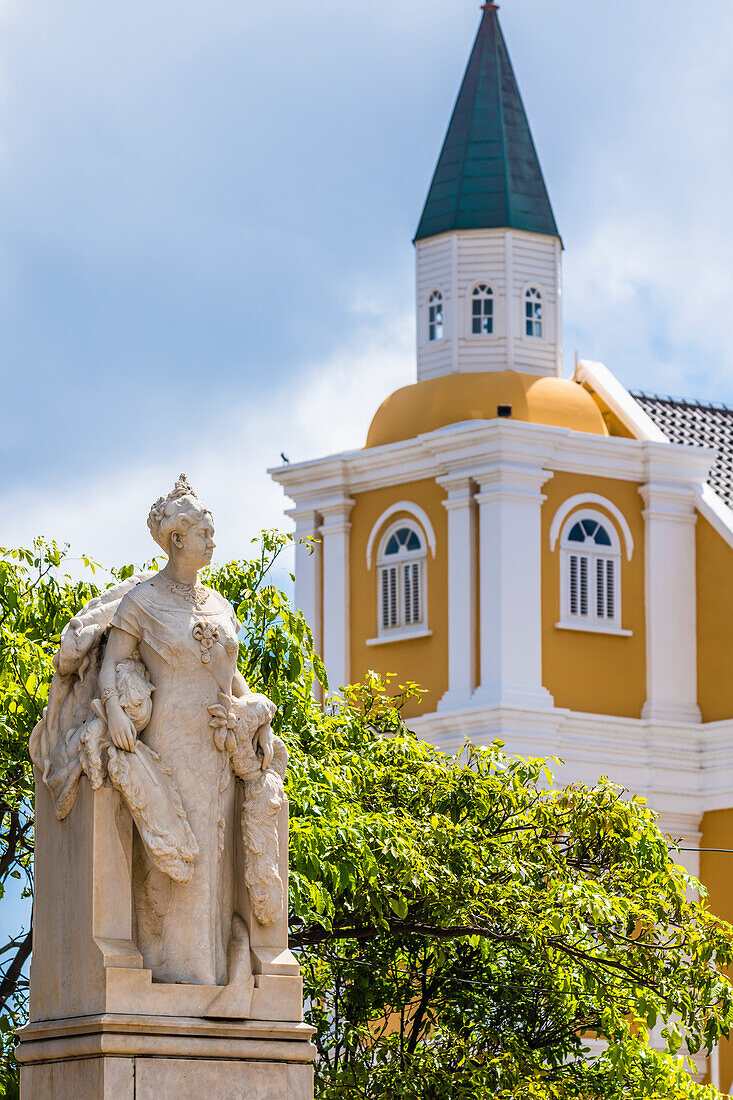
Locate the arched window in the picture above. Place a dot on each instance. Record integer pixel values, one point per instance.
(435, 316)
(590, 578)
(401, 578)
(482, 310)
(533, 312)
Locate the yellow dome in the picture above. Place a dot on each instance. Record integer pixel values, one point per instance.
(453, 398)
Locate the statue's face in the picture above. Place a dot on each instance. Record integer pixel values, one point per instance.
(195, 544)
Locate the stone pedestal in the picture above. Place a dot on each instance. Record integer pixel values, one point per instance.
(137, 1057)
(101, 1029)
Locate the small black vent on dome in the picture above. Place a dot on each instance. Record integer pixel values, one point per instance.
(504, 411)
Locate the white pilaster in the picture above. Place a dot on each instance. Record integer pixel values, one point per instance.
(671, 593)
(461, 591)
(308, 573)
(510, 569)
(335, 533)
(309, 569)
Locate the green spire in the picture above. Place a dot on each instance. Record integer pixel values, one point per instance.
(488, 174)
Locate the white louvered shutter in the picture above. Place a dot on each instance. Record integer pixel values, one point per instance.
(601, 588)
(583, 585)
(610, 589)
(389, 596)
(605, 588)
(412, 592)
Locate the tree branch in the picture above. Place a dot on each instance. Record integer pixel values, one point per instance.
(12, 974)
(8, 857)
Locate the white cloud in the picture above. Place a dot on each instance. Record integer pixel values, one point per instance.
(647, 269)
(328, 409)
(656, 299)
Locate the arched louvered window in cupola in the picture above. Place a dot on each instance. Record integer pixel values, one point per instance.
(401, 578)
(436, 327)
(482, 310)
(533, 320)
(590, 580)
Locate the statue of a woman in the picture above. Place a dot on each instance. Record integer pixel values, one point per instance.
(147, 696)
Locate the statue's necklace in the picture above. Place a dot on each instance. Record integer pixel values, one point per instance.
(194, 594)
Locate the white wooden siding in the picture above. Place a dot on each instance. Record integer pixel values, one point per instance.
(434, 271)
(456, 262)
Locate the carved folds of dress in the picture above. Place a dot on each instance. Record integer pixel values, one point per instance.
(196, 748)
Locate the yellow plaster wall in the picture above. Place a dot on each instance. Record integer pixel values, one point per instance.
(424, 660)
(716, 872)
(598, 673)
(714, 623)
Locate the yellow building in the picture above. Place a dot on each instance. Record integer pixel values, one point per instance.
(552, 559)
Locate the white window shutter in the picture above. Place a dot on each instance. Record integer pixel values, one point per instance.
(412, 592)
(583, 585)
(610, 589)
(573, 584)
(389, 596)
(601, 588)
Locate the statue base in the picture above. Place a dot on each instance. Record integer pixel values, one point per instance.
(101, 1028)
(136, 1057)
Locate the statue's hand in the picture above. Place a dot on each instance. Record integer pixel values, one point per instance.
(121, 728)
(264, 739)
(223, 722)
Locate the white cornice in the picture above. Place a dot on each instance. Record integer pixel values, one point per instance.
(671, 465)
(463, 449)
(682, 768)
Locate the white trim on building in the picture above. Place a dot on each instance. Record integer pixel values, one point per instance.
(409, 509)
(580, 500)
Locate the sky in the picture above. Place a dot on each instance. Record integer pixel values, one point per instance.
(206, 216)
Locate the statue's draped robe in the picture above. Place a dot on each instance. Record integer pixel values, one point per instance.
(183, 930)
(54, 743)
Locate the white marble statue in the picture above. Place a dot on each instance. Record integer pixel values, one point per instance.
(147, 697)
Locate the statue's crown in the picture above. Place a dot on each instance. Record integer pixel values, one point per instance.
(182, 488)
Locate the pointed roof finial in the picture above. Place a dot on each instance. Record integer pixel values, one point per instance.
(488, 174)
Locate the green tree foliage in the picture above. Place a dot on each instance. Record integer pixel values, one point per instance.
(466, 929)
(36, 602)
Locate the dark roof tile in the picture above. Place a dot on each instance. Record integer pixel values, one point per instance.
(698, 425)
